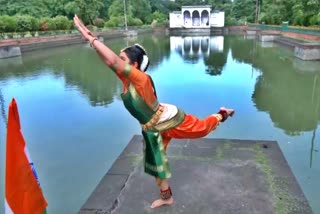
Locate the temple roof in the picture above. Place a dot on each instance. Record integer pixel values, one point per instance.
(197, 6)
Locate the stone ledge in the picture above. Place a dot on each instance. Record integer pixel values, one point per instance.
(307, 52)
(209, 176)
(41, 39)
(9, 51)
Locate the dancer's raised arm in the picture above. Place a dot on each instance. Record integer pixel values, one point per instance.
(106, 54)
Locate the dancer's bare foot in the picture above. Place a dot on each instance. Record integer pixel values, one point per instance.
(160, 202)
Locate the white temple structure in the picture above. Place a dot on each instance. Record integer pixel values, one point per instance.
(196, 17)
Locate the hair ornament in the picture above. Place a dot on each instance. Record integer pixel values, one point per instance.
(144, 63)
(141, 48)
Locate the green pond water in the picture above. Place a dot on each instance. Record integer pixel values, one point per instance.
(75, 124)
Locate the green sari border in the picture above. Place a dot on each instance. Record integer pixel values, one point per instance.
(155, 158)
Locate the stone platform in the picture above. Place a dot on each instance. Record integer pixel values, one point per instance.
(209, 176)
(304, 50)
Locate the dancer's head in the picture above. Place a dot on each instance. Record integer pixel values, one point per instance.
(135, 55)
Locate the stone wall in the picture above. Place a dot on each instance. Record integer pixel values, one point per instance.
(268, 37)
(16, 47)
(9, 51)
(307, 52)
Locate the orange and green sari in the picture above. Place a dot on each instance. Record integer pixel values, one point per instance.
(140, 100)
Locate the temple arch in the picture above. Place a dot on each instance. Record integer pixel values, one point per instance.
(205, 18)
(195, 18)
(187, 18)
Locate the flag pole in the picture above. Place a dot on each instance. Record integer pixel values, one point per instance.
(125, 15)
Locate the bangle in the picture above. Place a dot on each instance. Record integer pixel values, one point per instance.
(223, 113)
(92, 41)
(219, 117)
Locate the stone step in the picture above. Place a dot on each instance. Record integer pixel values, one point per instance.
(288, 41)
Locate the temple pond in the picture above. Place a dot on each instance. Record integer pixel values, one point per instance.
(75, 124)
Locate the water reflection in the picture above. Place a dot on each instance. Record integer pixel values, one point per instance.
(8, 62)
(195, 48)
(3, 109)
(288, 88)
(196, 45)
(217, 58)
(81, 69)
(295, 96)
(306, 66)
(312, 149)
(293, 106)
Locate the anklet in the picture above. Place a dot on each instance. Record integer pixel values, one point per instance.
(165, 194)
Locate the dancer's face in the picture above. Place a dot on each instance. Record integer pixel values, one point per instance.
(125, 58)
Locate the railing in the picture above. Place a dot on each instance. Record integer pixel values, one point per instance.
(18, 35)
(286, 28)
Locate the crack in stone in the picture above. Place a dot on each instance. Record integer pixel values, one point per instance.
(116, 203)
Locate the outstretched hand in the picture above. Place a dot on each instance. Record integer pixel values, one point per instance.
(82, 29)
(225, 113)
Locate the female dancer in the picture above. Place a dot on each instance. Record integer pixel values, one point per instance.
(159, 122)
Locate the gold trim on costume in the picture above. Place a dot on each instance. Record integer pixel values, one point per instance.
(173, 122)
(152, 125)
(155, 118)
(158, 169)
(137, 97)
(127, 69)
(155, 105)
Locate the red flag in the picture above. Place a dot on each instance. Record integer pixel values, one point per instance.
(22, 190)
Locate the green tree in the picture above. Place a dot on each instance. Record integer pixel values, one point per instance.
(88, 10)
(244, 10)
(104, 10)
(165, 6)
(58, 7)
(137, 12)
(116, 9)
(24, 7)
(297, 12)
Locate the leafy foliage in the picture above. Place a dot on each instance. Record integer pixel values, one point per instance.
(47, 23)
(7, 24)
(26, 23)
(297, 12)
(98, 22)
(49, 13)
